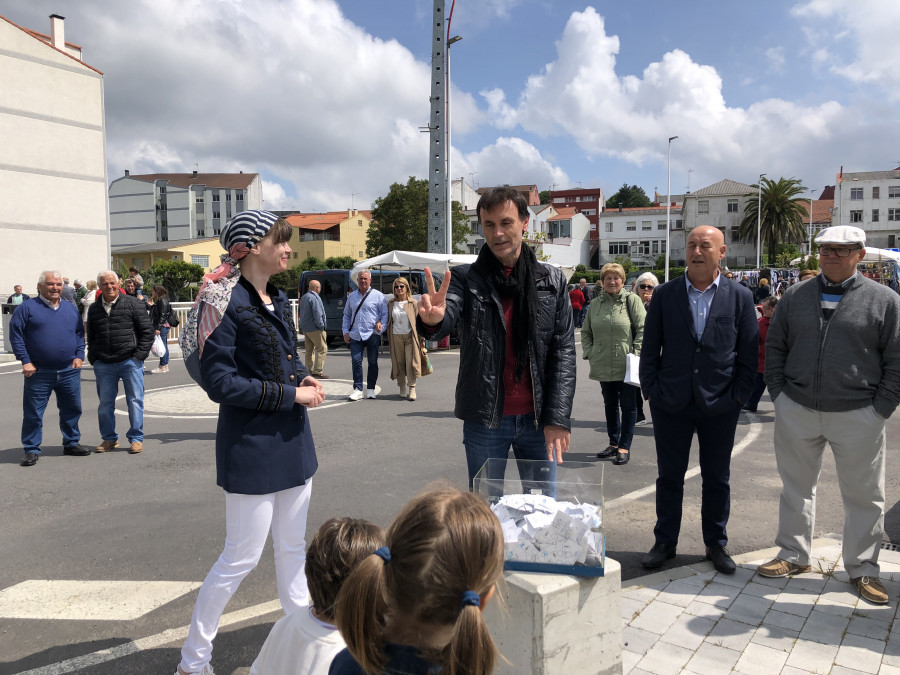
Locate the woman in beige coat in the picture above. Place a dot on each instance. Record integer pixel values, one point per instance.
(404, 342)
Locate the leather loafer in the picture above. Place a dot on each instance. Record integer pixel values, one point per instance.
(30, 459)
(721, 560)
(621, 458)
(658, 555)
(78, 450)
(609, 453)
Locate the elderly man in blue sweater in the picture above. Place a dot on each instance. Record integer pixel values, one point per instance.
(47, 336)
(833, 370)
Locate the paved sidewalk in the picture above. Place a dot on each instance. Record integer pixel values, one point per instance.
(694, 620)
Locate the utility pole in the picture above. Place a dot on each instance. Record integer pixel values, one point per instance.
(437, 164)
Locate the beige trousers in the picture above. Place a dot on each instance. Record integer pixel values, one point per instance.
(406, 373)
(857, 442)
(316, 349)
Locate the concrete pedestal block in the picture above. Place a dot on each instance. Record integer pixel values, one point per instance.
(551, 624)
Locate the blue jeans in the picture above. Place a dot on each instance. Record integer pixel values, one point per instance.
(67, 385)
(584, 311)
(527, 441)
(164, 334)
(131, 372)
(370, 346)
(618, 395)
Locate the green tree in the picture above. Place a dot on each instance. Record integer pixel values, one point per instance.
(400, 220)
(630, 196)
(289, 280)
(626, 264)
(544, 196)
(175, 276)
(780, 217)
(343, 262)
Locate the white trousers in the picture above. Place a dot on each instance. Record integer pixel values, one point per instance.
(857, 441)
(248, 519)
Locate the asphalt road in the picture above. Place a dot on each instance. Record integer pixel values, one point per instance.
(102, 521)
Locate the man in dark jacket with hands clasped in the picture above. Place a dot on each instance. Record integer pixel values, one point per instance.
(517, 350)
(119, 337)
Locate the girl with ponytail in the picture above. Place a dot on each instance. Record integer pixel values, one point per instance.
(415, 605)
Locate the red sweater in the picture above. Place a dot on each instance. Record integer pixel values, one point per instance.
(576, 297)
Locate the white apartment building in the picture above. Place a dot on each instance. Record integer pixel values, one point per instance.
(722, 205)
(52, 158)
(177, 206)
(465, 194)
(870, 200)
(640, 233)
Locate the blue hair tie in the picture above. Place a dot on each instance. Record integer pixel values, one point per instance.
(471, 598)
(384, 553)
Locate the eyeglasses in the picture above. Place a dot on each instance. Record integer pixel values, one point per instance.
(399, 287)
(839, 252)
(646, 287)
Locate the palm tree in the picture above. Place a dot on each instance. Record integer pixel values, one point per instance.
(783, 213)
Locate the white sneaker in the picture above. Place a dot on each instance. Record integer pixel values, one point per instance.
(160, 370)
(207, 670)
(356, 395)
(370, 393)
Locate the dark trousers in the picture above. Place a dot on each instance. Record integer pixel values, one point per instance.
(673, 433)
(616, 396)
(758, 390)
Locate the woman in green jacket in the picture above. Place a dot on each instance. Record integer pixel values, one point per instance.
(614, 327)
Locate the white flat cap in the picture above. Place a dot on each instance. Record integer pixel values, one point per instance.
(841, 234)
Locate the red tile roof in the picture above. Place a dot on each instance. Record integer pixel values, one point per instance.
(45, 40)
(821, 212)
(321, 221)
(563, 213)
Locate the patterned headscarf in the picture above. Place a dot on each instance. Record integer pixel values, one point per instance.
(239, 236)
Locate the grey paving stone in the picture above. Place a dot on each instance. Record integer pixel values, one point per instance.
(861, 653)
(720, 595)
(824, 627)
(739, 579)
(761, 591)
(705, 609)
(784, 620)
(642, 594)
(814, 583)
(775, 637)
(748, 609)
(781, 582)
(657, 617)
(710, 659)
(888, 670)
(812, 657)
(868, 627)
(759, 659)
(631, 608)
(680, 592)
(730, 634)
(629, 661)
(797, 601)
(841, 670)
(688, 631)
(663, 659)
(883, 613)
(637, 640)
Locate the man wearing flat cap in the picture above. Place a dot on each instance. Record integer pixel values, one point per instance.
(833, 370)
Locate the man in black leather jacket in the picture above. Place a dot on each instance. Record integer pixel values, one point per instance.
(517, 351)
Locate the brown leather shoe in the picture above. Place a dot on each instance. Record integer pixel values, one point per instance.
(135, 448)
(106, 446)
(321, 376)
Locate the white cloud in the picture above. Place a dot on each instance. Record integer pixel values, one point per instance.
(580, 95)
(869, 29)
(775, 56)
(509, 161)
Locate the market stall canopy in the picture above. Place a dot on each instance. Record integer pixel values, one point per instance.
(438, 263)
(874, 255)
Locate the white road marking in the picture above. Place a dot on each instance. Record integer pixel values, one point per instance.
(752, 435)
(80, 600)
(173, 635)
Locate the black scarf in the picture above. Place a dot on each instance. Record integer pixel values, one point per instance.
(519, 286)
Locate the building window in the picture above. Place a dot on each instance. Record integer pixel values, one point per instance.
(216, 196)
(732, 206)
(217, 228)
(678, 224)
(640, 248)
(227, 196)
(360, 254)
(202, 260)
(735, 237)
(359, 222)
(703, 206)
(856, 193)
(631, 227)
(876, 192)
(199, 198)
(609, 227)
(646, 225)
(874, 215)
(654, 248)
(216, 212)
(138, 262)
(295, 255)
(559, 200)
(894, 191)
(239, 195)
(589, 212)
(856, 216)
(561, 228)
(660, 225)
(201, 227)
(893, 214)
(618, 248)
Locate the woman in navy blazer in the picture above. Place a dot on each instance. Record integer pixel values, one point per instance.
(265, 457)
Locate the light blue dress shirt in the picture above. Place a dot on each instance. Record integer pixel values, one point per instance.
(700, 302)
(374, 309)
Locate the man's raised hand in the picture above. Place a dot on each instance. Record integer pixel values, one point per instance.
(431, 306)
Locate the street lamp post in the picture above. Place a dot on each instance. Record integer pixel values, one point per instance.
(668, 202)
(809, 234)
(759, 220)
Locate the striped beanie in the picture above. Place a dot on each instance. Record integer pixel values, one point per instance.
(239, 235)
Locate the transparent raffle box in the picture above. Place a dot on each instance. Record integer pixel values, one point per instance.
(549, 526)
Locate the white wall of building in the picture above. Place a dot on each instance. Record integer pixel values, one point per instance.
(722, 208)
(864, 200)
(641, 235)
(464, 193)
(573, 250)
(52, 163)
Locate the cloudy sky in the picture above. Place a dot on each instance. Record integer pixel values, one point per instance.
(325, 98)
